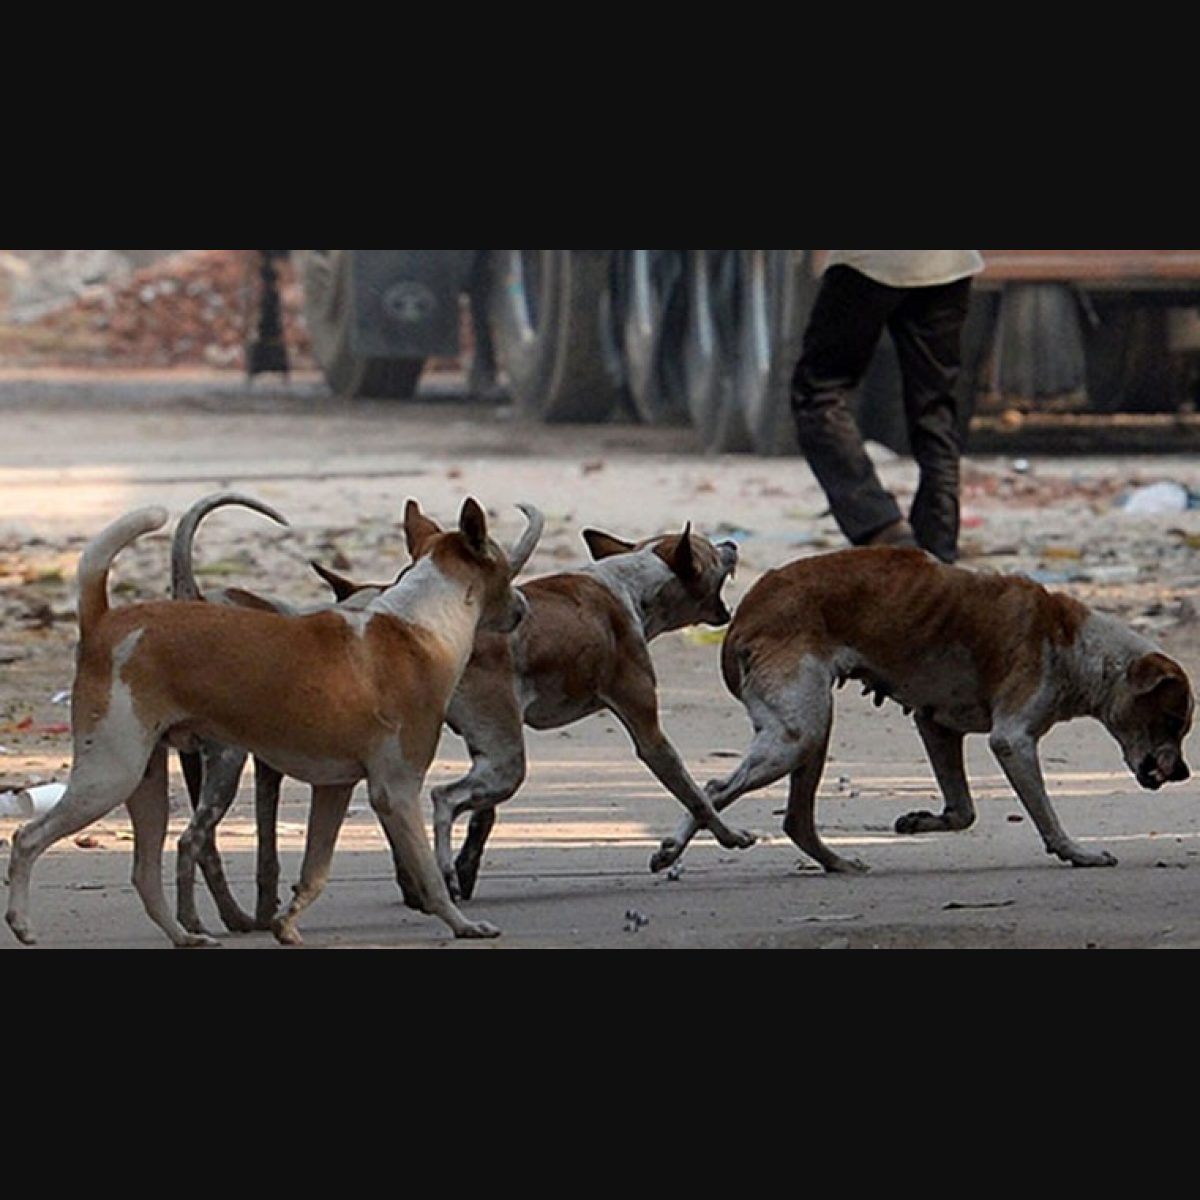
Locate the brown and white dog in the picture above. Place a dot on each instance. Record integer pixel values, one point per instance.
(331, 698)
(968, 654)
(584, 649)
(213, 772)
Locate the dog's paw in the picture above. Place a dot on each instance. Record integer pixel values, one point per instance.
(198, 941)
(918, 823)
(847, 867)
(737, 839)
(478, 931)
(286, 934)
(1087, 862)
(669, 853)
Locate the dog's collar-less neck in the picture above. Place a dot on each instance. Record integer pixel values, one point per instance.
(626, 577)
(426, 597)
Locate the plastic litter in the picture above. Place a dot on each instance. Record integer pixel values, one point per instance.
(1158, 499)
(32, 802)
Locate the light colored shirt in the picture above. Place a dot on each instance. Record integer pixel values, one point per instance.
(911, 268)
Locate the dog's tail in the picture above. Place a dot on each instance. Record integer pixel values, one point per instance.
(99, 557)
(183, 572)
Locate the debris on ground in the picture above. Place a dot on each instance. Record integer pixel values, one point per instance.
(195, 308)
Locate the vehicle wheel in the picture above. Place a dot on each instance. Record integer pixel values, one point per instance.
(649, 303)
(325, 277)
(1040, 343)
(552, 325)
(709, 355)
(777, 293)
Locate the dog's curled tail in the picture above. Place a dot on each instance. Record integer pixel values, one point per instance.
(183, 574)
(99, 557)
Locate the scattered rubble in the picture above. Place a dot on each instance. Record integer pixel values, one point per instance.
(195, 308)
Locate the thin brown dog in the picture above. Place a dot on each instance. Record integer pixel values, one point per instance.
(966, 653)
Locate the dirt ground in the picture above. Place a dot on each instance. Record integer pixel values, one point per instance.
(568, 866)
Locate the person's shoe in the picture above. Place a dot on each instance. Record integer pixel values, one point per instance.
(900, 536)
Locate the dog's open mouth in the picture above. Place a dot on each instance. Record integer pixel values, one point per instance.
(1154, 776)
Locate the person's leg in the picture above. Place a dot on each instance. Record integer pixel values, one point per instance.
(928, 329)
(848, 320)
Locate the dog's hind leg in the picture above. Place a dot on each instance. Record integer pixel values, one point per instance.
(222, 773)
(100, 782)
(493, 730)
(789, 729)
(945, 749)
(268, 789)
(328, 813)
(801, 822)
(149, 810)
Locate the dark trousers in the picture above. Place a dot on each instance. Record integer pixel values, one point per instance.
(851, 315)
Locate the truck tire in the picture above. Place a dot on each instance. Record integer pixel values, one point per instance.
(777, 294)
(709, 355)
(325, 278)
(1041, 344)
(552, 325)
(649, 304)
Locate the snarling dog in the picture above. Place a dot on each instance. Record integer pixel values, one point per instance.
(966, 653)
(213, 772)
(584, 649)
(332, 699)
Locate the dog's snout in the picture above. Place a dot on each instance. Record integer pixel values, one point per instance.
(1182, 773)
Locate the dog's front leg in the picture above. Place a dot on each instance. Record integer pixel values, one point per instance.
(395, 788)
(635, 704)
(945, 750)
(1016, 749)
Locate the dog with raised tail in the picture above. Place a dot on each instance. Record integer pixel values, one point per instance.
(332, 699)
(585, 649)
(966, 653)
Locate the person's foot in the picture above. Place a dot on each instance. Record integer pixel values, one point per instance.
(900, 535)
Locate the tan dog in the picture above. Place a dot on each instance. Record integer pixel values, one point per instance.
(332, 699)
(584, 649)
(968, 654)
(213, 772)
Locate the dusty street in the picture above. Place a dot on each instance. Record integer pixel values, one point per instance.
(568, 866)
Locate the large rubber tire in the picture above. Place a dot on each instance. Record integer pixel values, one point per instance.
(709, 356)
(1040, 343)
(777, 293)
(325, 277)
(552, 325)
(650, 310)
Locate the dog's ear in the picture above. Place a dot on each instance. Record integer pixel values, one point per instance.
(604, 545)
(341, 587)
(244, 599)
(683, 561)
(473, 525)
(1157, 673)
(418, 529)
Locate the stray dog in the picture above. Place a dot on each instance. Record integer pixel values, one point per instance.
(967, 654)
(584, 649)
(331, 698)
(213, 772)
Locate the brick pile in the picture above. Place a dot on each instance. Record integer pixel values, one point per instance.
(195, 308)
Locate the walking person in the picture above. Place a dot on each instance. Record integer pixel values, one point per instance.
(921, 297)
